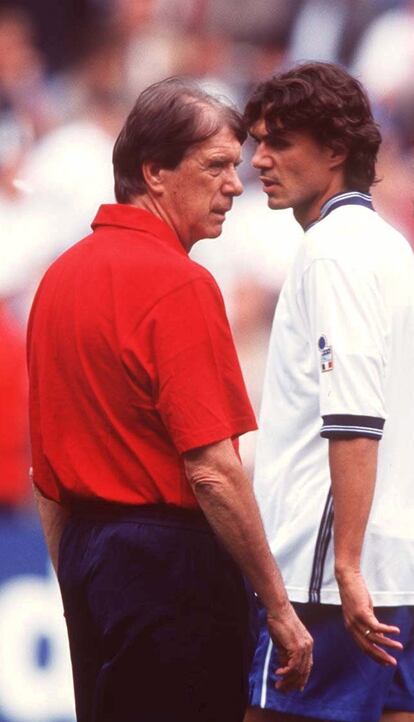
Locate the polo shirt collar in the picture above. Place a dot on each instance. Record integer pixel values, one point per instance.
(349, 198)
(122, 215)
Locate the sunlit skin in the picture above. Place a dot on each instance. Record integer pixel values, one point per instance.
(193, 199)
(296, 171)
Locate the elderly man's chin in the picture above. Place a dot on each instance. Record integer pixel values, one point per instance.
(214, 230)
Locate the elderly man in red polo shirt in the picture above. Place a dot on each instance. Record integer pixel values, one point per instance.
(136, 403)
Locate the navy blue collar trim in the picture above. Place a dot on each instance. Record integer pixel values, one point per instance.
(351, 198)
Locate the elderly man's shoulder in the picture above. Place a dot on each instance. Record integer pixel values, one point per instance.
(183, 279)
(142, 270)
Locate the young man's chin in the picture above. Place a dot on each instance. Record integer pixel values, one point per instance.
(276, 204)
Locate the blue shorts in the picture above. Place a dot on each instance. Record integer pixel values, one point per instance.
(345, 684)
(158, 618)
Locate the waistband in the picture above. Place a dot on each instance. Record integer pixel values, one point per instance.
(156, 514)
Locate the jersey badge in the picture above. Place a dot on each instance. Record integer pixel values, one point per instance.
(326, 354)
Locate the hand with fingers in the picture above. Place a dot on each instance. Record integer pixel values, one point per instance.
(294, 645)
(370, 634)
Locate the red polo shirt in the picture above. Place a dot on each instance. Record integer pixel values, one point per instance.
(131, 363)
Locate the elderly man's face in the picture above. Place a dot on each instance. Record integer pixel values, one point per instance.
(199, 192)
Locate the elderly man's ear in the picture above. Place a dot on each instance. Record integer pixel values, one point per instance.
(154, 176)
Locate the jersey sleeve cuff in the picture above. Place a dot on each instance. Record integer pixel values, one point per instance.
(349, 426)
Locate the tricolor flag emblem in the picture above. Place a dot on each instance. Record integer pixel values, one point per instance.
(326, 354)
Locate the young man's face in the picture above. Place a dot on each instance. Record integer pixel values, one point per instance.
(199, 192)
(296, 171)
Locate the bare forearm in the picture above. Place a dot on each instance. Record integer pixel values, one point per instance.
(226, 496)
(53, 518)
(228, 501)
(353, 466)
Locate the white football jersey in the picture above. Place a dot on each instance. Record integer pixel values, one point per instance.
(341, 364)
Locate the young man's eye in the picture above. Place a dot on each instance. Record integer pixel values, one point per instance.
(279, 143)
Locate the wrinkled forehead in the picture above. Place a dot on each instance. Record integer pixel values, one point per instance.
(224, 142)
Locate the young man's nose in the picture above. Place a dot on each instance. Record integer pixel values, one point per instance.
(261, 159)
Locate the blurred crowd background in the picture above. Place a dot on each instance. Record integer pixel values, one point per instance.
(69, 73)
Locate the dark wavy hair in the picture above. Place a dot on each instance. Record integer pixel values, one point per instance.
(167, 120)
(323, 99)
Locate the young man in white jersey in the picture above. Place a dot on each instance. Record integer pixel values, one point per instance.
(335, 456)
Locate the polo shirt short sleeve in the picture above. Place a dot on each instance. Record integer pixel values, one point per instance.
(348, 330)
(190, 358)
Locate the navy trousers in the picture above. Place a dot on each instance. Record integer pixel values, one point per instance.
(161, 625)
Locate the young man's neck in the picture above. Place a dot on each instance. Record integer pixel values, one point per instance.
(306, 215)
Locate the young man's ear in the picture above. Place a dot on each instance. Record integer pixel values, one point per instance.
(153, 176)
(338, 153)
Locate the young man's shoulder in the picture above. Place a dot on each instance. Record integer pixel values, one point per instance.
(357, 236)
